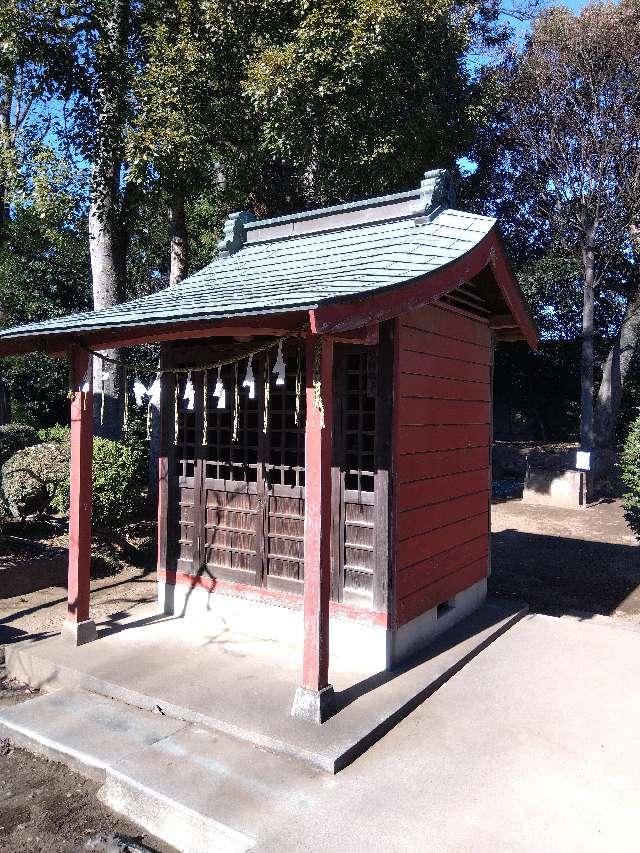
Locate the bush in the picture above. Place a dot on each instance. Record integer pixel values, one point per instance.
(34, 478)
(630, 464)
(119, 478)
(58, 433)
(14, 437)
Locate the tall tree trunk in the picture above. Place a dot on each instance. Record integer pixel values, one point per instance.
(179, 239)
(106, 244)
(6, 152)
(586, 359)
(179, 267)
(614, 374)
(106, 273)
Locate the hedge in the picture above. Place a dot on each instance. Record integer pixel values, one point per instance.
(630, 465)
(37, 479)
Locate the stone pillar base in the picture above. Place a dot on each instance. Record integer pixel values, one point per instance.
(79, 633)
(313, 705)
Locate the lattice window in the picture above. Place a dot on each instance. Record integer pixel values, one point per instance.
(360, 420)
(186, 438)
(285, 462)
(226, 459)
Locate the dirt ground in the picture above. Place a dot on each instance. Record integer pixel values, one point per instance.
(40, 613)
(565, 560)
(43, 805)
(46, 807)
(558, 561)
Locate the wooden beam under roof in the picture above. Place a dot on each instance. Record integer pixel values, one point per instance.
(272, 325)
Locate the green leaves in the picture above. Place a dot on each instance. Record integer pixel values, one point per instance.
(630, 465)
(362, 96)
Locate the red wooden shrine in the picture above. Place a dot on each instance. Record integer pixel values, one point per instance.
(354, 511)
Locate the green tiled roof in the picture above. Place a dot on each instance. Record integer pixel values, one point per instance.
(295, 272)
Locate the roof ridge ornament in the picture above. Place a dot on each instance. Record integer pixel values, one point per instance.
(234, 234)
(437, 191)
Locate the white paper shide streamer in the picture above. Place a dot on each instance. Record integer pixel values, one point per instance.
(139, 392)
(279, 369)
(153, 392)
(250, 380)
(219, 391)
(104, 377)
(189, 395)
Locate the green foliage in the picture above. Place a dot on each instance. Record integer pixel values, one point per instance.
(57, 433)
(119, 478)
(552, 283)
(362, 96)
(44, 272)
(37, 479)
(34, 478)
(630, 464)
(14, 437)
(534, 392)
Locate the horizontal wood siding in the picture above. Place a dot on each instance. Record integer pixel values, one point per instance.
(442, 456)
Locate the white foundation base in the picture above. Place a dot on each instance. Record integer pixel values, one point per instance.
(79, 633)
(359, 645)
(411, 638)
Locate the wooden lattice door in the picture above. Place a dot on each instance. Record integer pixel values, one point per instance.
(232, 490)
(284, 477)
(354, 482)
(241, 499)
(187, 483)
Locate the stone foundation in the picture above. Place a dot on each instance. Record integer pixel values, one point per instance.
(361, 643)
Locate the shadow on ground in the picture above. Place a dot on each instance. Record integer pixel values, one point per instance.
(557, 574)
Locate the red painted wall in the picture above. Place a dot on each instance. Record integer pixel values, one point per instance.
(441, 457)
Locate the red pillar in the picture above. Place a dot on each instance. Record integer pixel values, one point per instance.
(314, 696)
(78, 627)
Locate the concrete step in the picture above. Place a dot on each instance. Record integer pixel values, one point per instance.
(87, 732)
(203, 791)
(193, 788)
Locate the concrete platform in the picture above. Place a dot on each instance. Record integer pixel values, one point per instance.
(533, 746)
(243, 687)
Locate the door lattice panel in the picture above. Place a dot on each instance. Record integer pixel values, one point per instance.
(226, 460)
(358, 473)
(285, 478)
(360, 421)
(285, 465)
(232, 480)
(185, 455)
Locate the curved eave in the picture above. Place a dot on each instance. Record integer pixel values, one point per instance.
(350, 313)
(127, 324)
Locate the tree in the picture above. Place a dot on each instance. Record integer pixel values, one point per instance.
(561, 157)
(37, 241)
(35, 62)
(44, 273)
(106, 57)
(360, 96)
